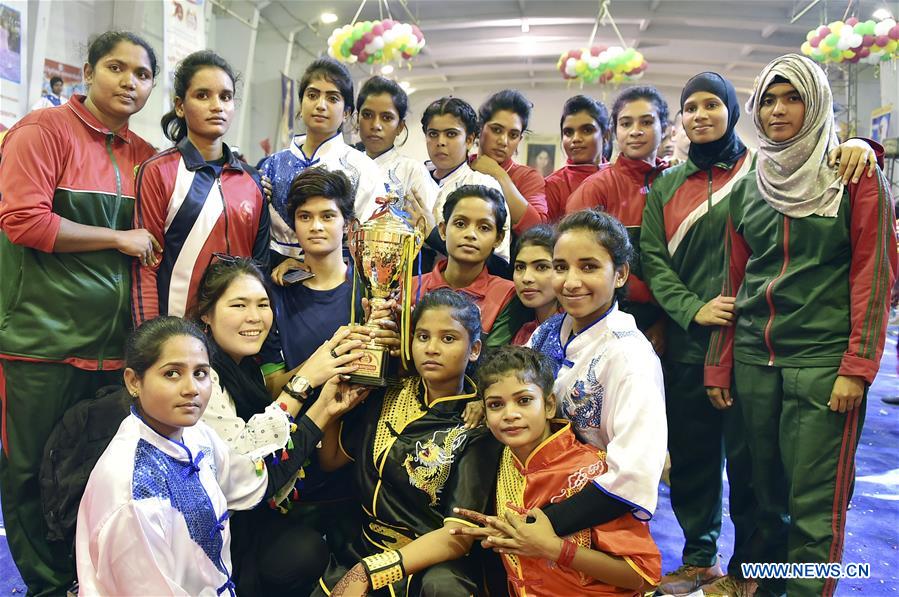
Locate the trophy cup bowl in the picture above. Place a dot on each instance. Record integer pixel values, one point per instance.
(383, 249)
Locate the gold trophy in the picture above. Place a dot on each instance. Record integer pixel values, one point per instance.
(384, 250)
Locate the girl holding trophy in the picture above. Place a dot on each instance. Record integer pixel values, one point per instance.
(413, 460)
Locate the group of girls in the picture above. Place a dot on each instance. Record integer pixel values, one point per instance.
(267, 373)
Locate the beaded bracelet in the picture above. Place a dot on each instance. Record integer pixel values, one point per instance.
(383, 569)
(566, 557)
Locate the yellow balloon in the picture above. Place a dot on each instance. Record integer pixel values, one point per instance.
(806, 48)
(848, 54)
(824, 48)
(836, 27)
(891, 46)
(811, 35)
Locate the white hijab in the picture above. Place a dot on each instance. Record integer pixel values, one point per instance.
(793, 175)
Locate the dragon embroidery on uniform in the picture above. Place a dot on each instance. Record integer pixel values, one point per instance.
(395, 184)
(578, 479)
(393, 539)
(351, 171)
(429, 467)
(583, 407)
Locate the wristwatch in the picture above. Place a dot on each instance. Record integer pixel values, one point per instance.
(298, 387)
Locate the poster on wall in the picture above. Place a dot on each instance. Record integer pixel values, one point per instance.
(288, 109)
(70, 75)
(184, 32)
(880, 123)
(12, 63)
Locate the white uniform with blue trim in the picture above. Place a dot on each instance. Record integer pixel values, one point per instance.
(282, 167)
(609, 384)
(405, 175)
(153, 519)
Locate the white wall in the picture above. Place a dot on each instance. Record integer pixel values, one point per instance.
(72, 22)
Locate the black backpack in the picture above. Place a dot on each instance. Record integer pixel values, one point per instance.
(70, 454)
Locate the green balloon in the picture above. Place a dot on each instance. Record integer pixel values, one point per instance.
(345, 47)
(832, 39)
(368, 26)
(379, 54)
(836, 54)
(869, 27)
(370, 59)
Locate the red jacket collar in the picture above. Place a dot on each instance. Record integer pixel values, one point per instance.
(636, 169)
(556, 446)
(477, 289)
(76, 104)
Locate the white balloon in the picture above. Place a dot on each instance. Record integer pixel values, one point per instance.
(571, 63)
(370, 48)
(843, 44)
(378, 43)
(856, 40)
(604, 56)
(883, 27)
(593, 62)
(389, 36)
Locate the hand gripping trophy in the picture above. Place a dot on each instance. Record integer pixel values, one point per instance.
(384, 250)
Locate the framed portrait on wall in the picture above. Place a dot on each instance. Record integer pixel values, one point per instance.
(541, 156)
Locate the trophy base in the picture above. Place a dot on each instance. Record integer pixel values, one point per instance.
(372, 369)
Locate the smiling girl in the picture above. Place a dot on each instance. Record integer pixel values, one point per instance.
(382, 118)
(198, 198)
(66, 250)
(584, 127)
(609, 381)
(234, 305)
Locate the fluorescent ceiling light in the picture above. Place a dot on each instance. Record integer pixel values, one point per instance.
(328, 17)
(525, 26)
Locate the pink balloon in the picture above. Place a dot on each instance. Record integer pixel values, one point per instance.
(377, 29)
(363, 56)
(814, 42)
(854, 59)
(882, 40)
(863, 52)
(823, 31)
(894, 32)
(417, 32)
(576, 54)
(357, 47)
(867, 41)
(852, 21)
(596, 50)
(407, 55)
(388, 23)
(367, 38)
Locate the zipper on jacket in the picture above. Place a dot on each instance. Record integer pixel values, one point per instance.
(218, 181)
(769, 291)
(110, 138)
